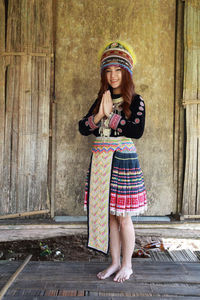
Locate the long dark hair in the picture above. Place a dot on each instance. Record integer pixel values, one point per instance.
(127, 91)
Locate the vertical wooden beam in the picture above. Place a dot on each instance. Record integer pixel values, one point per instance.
(52, 166)
(191, 100)
(178, 108)
(2, 98)
(53, 160)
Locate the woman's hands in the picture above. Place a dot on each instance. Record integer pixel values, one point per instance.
(105, 107)
(107, 103)
(101, 109)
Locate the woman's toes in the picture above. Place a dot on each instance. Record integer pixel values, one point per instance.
(123, 274)
(108, 272)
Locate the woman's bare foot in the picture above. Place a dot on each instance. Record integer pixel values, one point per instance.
(108, 272)
(123, 274)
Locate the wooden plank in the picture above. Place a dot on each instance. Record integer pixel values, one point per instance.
(2, 98)
(11, 53)
(190, 101)
(2, 129)
(35, 92)
(52, 293)
(7, 155)
(25, 292)
(68, 292)
(162, 272)
(53, 160)
(110, 287)
(180, 290)
(43, 130)
(53, 110)
(2, 26)
(23, 214)
(151, 289)
(98, 298)
(184, 217)
(13, 42)
(16, 65)
(198, 156)
(90, 268)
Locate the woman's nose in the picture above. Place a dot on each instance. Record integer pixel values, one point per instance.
(113, 73)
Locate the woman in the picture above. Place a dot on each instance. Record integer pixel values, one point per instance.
(115, 188)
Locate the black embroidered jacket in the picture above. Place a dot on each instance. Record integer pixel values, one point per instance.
(132, 127)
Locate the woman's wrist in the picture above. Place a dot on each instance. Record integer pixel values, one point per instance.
(97, 118)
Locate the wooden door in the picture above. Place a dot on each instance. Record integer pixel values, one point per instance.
(25, 75)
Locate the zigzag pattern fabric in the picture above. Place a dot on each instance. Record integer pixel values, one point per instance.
(98, 238)
(120, 144)
(114, 185)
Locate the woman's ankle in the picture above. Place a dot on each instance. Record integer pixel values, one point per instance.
(126, 264)
(116, 263)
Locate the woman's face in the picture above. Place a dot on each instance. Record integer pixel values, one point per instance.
(114, 78)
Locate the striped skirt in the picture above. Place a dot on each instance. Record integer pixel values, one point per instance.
(127, 188)
(114, 185)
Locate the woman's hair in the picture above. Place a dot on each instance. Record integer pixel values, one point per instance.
(127, 91)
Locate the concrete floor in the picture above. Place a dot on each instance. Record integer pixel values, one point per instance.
(10, 231)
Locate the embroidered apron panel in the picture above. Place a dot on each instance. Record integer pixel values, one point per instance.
(99, 201)
(99, 194)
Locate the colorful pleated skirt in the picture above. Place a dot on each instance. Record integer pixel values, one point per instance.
(114, 185)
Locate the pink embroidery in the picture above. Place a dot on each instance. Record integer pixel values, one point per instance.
(86, 123)
(141, 98)
(137, 121)
(139, 113)
(91, 123)
(114, 121)
(119, 130)
(141, 108)
(141, 103)
(122, 122)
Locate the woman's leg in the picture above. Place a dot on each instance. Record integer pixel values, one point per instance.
(127, 234)
(115, 248)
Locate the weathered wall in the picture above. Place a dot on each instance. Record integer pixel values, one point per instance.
(82, 27)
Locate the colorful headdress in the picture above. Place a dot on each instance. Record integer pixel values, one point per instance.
(117, 53)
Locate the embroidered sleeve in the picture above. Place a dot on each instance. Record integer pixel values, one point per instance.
(91, 123)
(87, 125)
(134, 126)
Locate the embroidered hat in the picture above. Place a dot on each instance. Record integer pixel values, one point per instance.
(117, 53)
